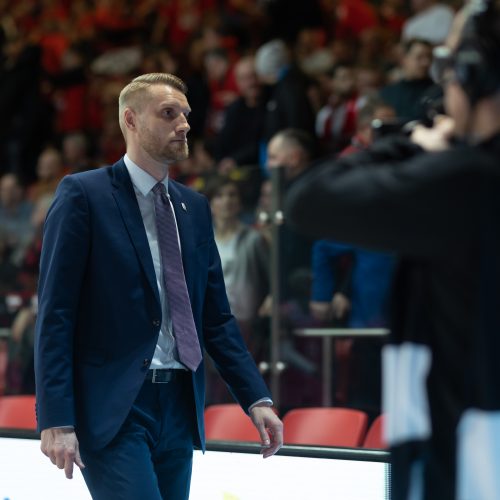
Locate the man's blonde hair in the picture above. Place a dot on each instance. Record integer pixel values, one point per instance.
(133, 94)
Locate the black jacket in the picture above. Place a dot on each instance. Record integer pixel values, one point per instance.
(439, 212)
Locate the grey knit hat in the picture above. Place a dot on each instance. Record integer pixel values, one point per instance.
(271, 58)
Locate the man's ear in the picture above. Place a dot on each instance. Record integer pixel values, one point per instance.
(129, 118)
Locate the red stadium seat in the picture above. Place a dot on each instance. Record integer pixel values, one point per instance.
(325, 426)
(17, 412)
(228, 422)
(374, 438)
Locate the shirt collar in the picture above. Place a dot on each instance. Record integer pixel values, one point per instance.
(143, 181)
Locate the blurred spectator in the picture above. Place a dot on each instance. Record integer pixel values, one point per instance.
(8, 279)
(371, 272)
(372, 45)
(406, 95)
(244, 253)
(49, 172)
(70, 92)
(312, 54)
(28, 268)
(177, 20)
(20, 376)
(207, 39)
(391, 16)
(292, 149)
(348, 19)
(109, 140)
(336, 122)
(288, 104)
(222, 88)
(369, 80)
(158, 59)
(369, 295)
(431, 21)
(25, 119)
(15, 218)
(372, 109)
(116, 22)
(366, 305)
(75, 153)
(234, 144)
(351, 288)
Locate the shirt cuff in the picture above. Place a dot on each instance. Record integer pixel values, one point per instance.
(261, 402)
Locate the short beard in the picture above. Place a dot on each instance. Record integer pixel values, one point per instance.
(177, 152)
(170, 153)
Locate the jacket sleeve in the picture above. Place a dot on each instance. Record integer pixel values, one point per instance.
(63, 261)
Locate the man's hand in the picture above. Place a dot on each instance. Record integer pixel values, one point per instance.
(436, 138)
(341, 306)
(266, 307)
(61, 446)
(322, 311)
(270, 429)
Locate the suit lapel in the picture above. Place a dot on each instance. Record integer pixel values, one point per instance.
(126, 200)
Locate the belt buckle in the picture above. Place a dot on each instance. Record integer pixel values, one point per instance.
(154, 378)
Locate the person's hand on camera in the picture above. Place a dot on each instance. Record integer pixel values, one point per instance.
(437, 137)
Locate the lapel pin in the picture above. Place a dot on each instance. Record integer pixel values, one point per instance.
(183, 205)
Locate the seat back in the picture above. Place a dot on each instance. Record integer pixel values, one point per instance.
(325, 426)
(18, 412)
(228, 422)
(374, 437)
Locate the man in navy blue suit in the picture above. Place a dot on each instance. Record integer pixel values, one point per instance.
(120, 391)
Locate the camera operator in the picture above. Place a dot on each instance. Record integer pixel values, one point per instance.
(434, 198)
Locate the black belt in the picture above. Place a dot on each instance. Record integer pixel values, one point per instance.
(164, 375)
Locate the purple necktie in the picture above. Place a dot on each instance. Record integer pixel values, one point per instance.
(174, 281)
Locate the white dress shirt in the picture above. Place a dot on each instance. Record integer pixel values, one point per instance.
(165, 355)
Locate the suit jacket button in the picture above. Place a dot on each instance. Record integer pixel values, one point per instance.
(156, 322)
(146, 362)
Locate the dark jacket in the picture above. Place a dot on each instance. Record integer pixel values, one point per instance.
(288, 104)
(99, 307)
(439, 212)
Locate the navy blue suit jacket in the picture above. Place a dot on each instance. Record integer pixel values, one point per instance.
(99, 308)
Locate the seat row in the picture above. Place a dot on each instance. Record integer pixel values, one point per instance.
(305, 426)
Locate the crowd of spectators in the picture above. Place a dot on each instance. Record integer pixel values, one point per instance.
(270, 82)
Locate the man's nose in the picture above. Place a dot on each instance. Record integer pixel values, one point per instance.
(183, 125)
